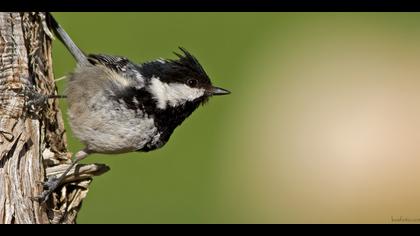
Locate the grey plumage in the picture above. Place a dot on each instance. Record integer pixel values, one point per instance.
(102, 123)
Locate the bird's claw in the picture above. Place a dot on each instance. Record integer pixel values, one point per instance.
(34, 100)
(52, 182)
(49, 187)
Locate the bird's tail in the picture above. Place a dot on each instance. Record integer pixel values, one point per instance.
(61, 34)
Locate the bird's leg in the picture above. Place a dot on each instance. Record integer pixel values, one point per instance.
(53, 182)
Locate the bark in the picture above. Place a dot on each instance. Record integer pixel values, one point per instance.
(33, 142)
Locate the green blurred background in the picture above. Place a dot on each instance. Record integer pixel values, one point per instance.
(322, 124)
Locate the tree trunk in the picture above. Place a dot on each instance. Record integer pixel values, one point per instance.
(33, 143)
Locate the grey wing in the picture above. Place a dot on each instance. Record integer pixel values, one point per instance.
(120, 65)
(116, 63)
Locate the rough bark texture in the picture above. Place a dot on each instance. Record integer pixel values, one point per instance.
(32, 142)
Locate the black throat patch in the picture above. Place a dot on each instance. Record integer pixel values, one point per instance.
(165, 120)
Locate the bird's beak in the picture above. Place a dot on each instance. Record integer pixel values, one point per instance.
(219, 91)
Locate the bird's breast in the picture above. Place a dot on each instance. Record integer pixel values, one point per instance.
(109, 127)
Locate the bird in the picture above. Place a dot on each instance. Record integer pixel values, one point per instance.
(118, 106)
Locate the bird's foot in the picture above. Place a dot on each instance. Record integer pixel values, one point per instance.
(49, 187)
(35, 101)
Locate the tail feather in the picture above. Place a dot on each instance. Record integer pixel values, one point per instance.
(61, 34)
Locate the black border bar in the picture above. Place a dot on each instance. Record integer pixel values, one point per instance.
(209, 5)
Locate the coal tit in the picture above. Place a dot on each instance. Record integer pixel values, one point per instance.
(117, 106)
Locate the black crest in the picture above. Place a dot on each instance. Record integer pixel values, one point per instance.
(189, 61)
(182, 70)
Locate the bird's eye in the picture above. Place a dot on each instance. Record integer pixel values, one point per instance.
(192, 82)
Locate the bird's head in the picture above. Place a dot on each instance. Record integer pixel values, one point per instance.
(175, 82)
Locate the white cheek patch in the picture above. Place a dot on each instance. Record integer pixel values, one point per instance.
(174, 94)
